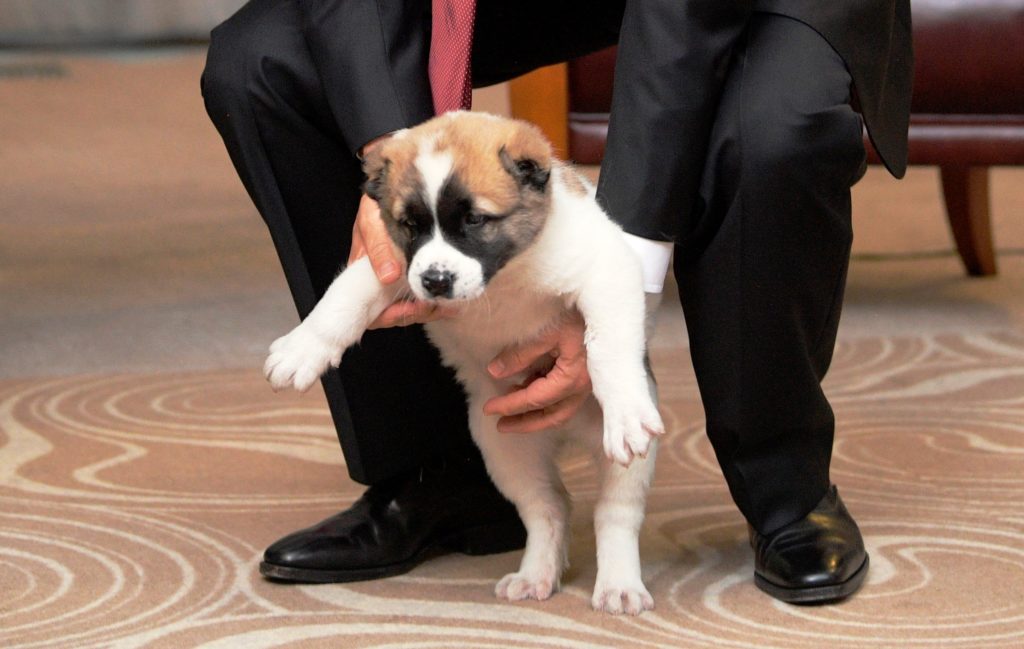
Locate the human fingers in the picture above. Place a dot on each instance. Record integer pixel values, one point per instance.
(544, 419)
(566, 379)
(563, 341)
(520, 358)
(371, 236)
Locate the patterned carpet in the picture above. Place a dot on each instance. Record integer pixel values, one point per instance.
(135, 507)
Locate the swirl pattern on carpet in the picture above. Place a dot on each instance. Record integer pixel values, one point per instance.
(135, 509)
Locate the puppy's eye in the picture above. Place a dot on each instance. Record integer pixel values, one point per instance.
(475, 218)
(526, 166)
(409, 225)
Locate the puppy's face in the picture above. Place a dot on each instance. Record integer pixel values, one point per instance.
(461, 195)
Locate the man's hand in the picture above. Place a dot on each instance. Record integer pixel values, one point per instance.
(549, 400)
(370, 238)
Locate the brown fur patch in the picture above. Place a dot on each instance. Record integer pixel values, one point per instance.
(476, 142)
(391, 173)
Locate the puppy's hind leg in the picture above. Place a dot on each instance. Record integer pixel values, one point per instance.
(617, 519)
(524, 470)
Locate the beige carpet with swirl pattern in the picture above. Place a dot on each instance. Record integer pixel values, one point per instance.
(144, 464)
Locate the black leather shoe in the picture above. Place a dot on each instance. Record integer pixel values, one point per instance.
(817, 559)
(397, 525)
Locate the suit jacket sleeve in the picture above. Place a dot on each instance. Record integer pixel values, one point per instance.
(672, 62)
(372, 59)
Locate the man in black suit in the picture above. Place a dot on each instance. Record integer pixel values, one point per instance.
(733, 139)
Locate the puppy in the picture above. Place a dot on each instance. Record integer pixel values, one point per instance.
(490, 222)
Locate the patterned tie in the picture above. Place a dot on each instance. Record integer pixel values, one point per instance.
(450, 46)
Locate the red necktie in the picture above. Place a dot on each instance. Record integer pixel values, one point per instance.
(450, 45)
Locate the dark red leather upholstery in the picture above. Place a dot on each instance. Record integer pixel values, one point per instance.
(590, 101)
(969, 57)
(966, 140)
(968, 104)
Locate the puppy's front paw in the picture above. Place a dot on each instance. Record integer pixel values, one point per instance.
(525, 585)
(298, 359)
(614, 598)
(629, 429)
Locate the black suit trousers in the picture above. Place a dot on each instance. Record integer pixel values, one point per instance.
(761, 270)
(392, 402)
(762, 267)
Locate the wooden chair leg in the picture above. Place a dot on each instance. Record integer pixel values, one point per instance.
(967, 206)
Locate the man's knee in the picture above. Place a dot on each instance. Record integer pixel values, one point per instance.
(804, 150)
(251, 55)
(797, 125)
(224, 79)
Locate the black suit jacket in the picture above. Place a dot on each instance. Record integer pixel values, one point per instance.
(672, 60)
(874, 39)
(371, 55)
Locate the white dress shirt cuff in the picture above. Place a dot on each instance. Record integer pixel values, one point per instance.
(655, 257)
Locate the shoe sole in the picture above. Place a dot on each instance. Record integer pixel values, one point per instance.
(288, 574)
(483, 540)
(815, 594)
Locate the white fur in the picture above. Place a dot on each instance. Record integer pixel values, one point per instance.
(353, 300)
(439, 254)
(580, 259)
(435, 168)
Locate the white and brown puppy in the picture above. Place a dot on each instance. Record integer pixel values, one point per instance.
(489, 221)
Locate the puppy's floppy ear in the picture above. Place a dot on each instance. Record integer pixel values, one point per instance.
(526, 156)
(375, 166)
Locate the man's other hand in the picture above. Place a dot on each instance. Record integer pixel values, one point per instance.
(549, 400)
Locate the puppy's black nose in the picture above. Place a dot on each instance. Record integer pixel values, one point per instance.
(438, 282)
